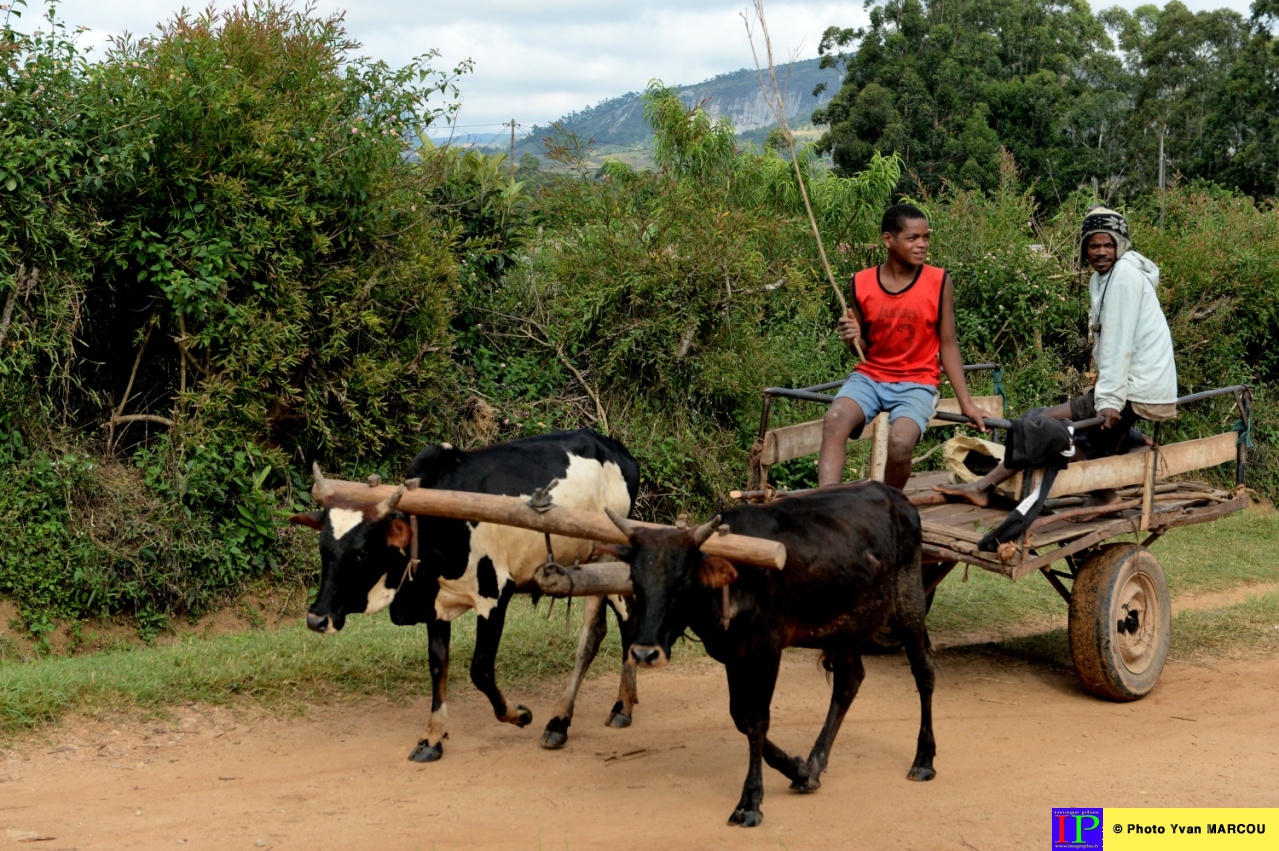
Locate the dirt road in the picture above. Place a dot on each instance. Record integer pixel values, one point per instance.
(1013, 741)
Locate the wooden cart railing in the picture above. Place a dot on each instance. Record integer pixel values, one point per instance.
(798, 441)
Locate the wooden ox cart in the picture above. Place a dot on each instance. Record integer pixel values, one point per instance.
(1119, 607)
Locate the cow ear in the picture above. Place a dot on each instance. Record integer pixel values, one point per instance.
(314, 519)
(399, 533)
(717, 572)
(621, 552)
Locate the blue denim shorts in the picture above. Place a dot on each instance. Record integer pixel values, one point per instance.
(916, 402)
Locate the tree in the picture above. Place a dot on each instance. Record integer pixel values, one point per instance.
(1177, 64)
(1242, 132)
(946, 85)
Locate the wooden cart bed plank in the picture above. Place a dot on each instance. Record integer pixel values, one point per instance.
(1065, 530)
(958, 513)
(924, 481)
(946, 531)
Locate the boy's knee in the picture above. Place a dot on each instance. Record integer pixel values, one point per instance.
(901, 443)
(837, 419)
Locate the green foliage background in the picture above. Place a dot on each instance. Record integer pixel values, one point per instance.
(225, 253)
(1079, 97)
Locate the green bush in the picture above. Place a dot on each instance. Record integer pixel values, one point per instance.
(220, 256)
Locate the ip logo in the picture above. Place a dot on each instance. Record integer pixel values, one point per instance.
(1078, 828)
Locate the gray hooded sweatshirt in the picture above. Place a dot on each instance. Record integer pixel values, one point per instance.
(1133, 348)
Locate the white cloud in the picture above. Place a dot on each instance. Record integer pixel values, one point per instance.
(536, 61)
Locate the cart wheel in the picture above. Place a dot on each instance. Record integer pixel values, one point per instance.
(1120, 622)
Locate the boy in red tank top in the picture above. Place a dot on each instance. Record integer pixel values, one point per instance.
(903, 313)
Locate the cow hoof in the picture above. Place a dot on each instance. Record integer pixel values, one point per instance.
(746, 818)
(523, 717)
(555, 734)
(807, 784)
(427, 752)
(618, 718)
(921, 772)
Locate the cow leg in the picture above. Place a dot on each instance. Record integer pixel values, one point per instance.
(431, 748)
(627, 690)
(488, 635)
(845, 663)
(750, 692)
(910, 628)
(594, 625)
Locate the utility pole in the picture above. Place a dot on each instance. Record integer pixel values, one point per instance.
(1163, 129)
(512, 157)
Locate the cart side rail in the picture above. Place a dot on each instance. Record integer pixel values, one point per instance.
(796, 441)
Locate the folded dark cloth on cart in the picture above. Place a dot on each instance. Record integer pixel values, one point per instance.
(1035, 441)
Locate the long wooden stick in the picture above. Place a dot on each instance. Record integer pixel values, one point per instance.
(777, 103)
(559, 520)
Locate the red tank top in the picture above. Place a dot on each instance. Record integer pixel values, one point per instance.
(902, 328)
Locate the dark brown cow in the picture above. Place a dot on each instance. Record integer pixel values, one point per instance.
(852, 565)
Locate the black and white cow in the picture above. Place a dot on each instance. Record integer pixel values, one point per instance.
(464, 566)
(852, 565)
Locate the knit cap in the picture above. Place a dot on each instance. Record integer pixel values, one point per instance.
(1100, 219)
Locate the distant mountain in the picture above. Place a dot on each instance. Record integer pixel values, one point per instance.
(618, 123)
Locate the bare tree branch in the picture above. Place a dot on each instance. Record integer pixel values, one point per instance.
(142, 418)
(128, 390)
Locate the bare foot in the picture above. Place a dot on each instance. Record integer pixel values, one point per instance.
(977, 495)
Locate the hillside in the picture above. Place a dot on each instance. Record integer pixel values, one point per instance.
(617, 126)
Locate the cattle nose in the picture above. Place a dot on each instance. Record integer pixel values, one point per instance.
(648, 656)
(319, 623)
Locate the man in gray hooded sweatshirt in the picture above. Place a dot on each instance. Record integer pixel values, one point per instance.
(1132, 347)
(1136, 373)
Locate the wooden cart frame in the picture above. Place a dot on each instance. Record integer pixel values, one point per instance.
(1119, 607)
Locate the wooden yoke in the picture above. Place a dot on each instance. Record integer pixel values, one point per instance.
(559, 520)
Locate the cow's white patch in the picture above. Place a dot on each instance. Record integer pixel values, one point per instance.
(484, 605)
(379, 596)
(618, 602)
(438, 725)
(446, 446)
(516, 553)
(343, 520)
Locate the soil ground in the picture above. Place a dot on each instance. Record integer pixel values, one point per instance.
(1014, 740)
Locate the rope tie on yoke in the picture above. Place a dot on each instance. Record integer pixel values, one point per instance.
(413, 551)
(552, 564)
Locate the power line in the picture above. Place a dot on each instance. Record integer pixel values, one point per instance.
(490, 124)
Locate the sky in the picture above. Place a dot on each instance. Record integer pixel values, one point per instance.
(537, 60)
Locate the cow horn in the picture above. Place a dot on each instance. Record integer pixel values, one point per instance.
(626, 526)
(387, 505)
(701, 533)
(323, 488)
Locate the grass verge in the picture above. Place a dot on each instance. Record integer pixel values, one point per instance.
(1247, 629)
(285, 668)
